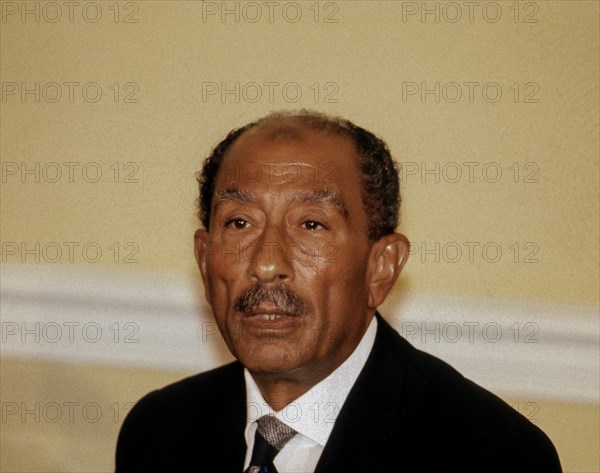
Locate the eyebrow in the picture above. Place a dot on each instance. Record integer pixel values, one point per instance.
(318, 196)
(235, 195)
(322, 196)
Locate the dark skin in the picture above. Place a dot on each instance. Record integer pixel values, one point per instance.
(279, 219)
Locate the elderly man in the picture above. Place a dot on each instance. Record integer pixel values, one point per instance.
(297, 252)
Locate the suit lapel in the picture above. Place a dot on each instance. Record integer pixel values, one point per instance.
(369, 419)
(231, 430)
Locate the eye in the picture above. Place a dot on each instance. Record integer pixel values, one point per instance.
(312, 225)
(238, 223)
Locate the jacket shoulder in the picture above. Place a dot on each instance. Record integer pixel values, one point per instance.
(212, 387)
(455, 411)
(165, 420)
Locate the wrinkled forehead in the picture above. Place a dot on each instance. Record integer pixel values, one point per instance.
(292, 164)
(292, 130)
(293, 154)
(286, 146)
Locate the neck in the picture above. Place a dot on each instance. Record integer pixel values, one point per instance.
(279, 391)
(282, 388)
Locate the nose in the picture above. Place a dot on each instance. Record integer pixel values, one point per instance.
(268, 260)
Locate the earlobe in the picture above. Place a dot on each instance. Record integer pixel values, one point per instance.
(388, 257)
(200, 252)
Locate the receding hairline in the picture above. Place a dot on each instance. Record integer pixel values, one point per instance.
(380, 184)
(290, 126)
(312, 119)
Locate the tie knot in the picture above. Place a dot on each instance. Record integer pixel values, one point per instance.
(274, 431)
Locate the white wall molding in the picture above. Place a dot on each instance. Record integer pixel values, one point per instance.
(120, 318)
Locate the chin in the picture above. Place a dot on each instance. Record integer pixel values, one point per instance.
(269, 361)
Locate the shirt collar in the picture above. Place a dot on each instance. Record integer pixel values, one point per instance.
(314, 413)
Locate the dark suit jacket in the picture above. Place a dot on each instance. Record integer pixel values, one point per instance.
(407, 412)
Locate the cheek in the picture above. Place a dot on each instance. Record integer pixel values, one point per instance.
(334, 286)
(222, 280)
(347, 266)
(226, 262)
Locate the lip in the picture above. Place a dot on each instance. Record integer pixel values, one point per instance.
(269, 319)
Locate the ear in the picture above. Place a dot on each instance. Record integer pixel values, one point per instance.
(201, 251)
(387, 258)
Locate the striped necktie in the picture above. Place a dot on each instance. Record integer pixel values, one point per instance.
(271, 436)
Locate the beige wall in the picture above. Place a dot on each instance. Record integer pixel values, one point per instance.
(367, 56)
(365, 59)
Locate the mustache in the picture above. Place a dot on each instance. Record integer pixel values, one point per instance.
(281, 296)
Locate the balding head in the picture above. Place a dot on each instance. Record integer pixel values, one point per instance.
(380, 183)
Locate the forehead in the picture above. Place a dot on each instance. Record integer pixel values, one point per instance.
(291, 151)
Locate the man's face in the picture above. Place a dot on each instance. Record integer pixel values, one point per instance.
(286, 260)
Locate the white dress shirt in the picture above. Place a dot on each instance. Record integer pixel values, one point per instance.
(311, 415)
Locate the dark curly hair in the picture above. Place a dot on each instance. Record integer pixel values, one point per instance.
(381, 188)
